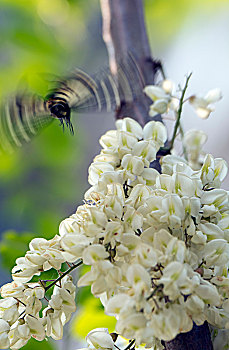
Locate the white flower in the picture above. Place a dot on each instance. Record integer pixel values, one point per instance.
(213, 171)
(9, 310)
(138, 195)
(126, 142)
(202, 105)
(4, 329)
(130, 125)
(155, 131)
(133, 219)
(64, 301)
(36, 327)
(173, 210)
(133, 164)
(146, 150)
(149, 176)
(109, 140)
(175, 280)
(100, 338)
(34, 290)
(119, 303)
(19, 334)
(170, 321)
(216, 252)
(94, 253)
(12, 289)
(113, 206)
(69, 225)
(212, 231)
(136, 274)
(131, 324)
(146, 255)
(54, 325)
(111, 158)
(96, 169)
(184, 185)
(221, 340)
(161, 97)
(195, 307)
(73, 246)
(193, 142)
(168, 86)
(23, 272)
(208, 293)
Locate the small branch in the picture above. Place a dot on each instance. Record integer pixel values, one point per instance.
(64, 274)
(159, 287)
(20, 301)
(130, 344)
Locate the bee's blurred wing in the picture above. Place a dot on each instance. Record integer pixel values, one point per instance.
(102, 91)
(21, 118)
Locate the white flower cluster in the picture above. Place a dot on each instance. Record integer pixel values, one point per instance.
(157, 244)
(20, 312)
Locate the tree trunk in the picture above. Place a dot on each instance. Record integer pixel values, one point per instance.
(123, 32)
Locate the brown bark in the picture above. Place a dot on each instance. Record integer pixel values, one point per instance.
(124, 31)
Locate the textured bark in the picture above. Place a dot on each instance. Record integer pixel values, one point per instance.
(197, 339)
(124, 31)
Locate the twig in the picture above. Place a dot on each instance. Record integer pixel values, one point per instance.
(130, 344)
(177, 124)
(64, 274)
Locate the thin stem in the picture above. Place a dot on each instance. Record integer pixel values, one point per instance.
(177, 124)
(20, 301)
(64, 274)
(154, 291)
(116, 347)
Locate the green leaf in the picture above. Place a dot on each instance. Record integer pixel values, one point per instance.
(37, 345)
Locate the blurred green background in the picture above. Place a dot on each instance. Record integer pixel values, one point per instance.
(43, 182)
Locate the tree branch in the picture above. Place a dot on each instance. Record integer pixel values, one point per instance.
(197, 339)
(123, 32)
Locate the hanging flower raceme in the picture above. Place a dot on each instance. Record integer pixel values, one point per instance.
(146, 256)
(157, 244)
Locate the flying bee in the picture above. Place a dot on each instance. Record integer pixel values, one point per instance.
(24, 116)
